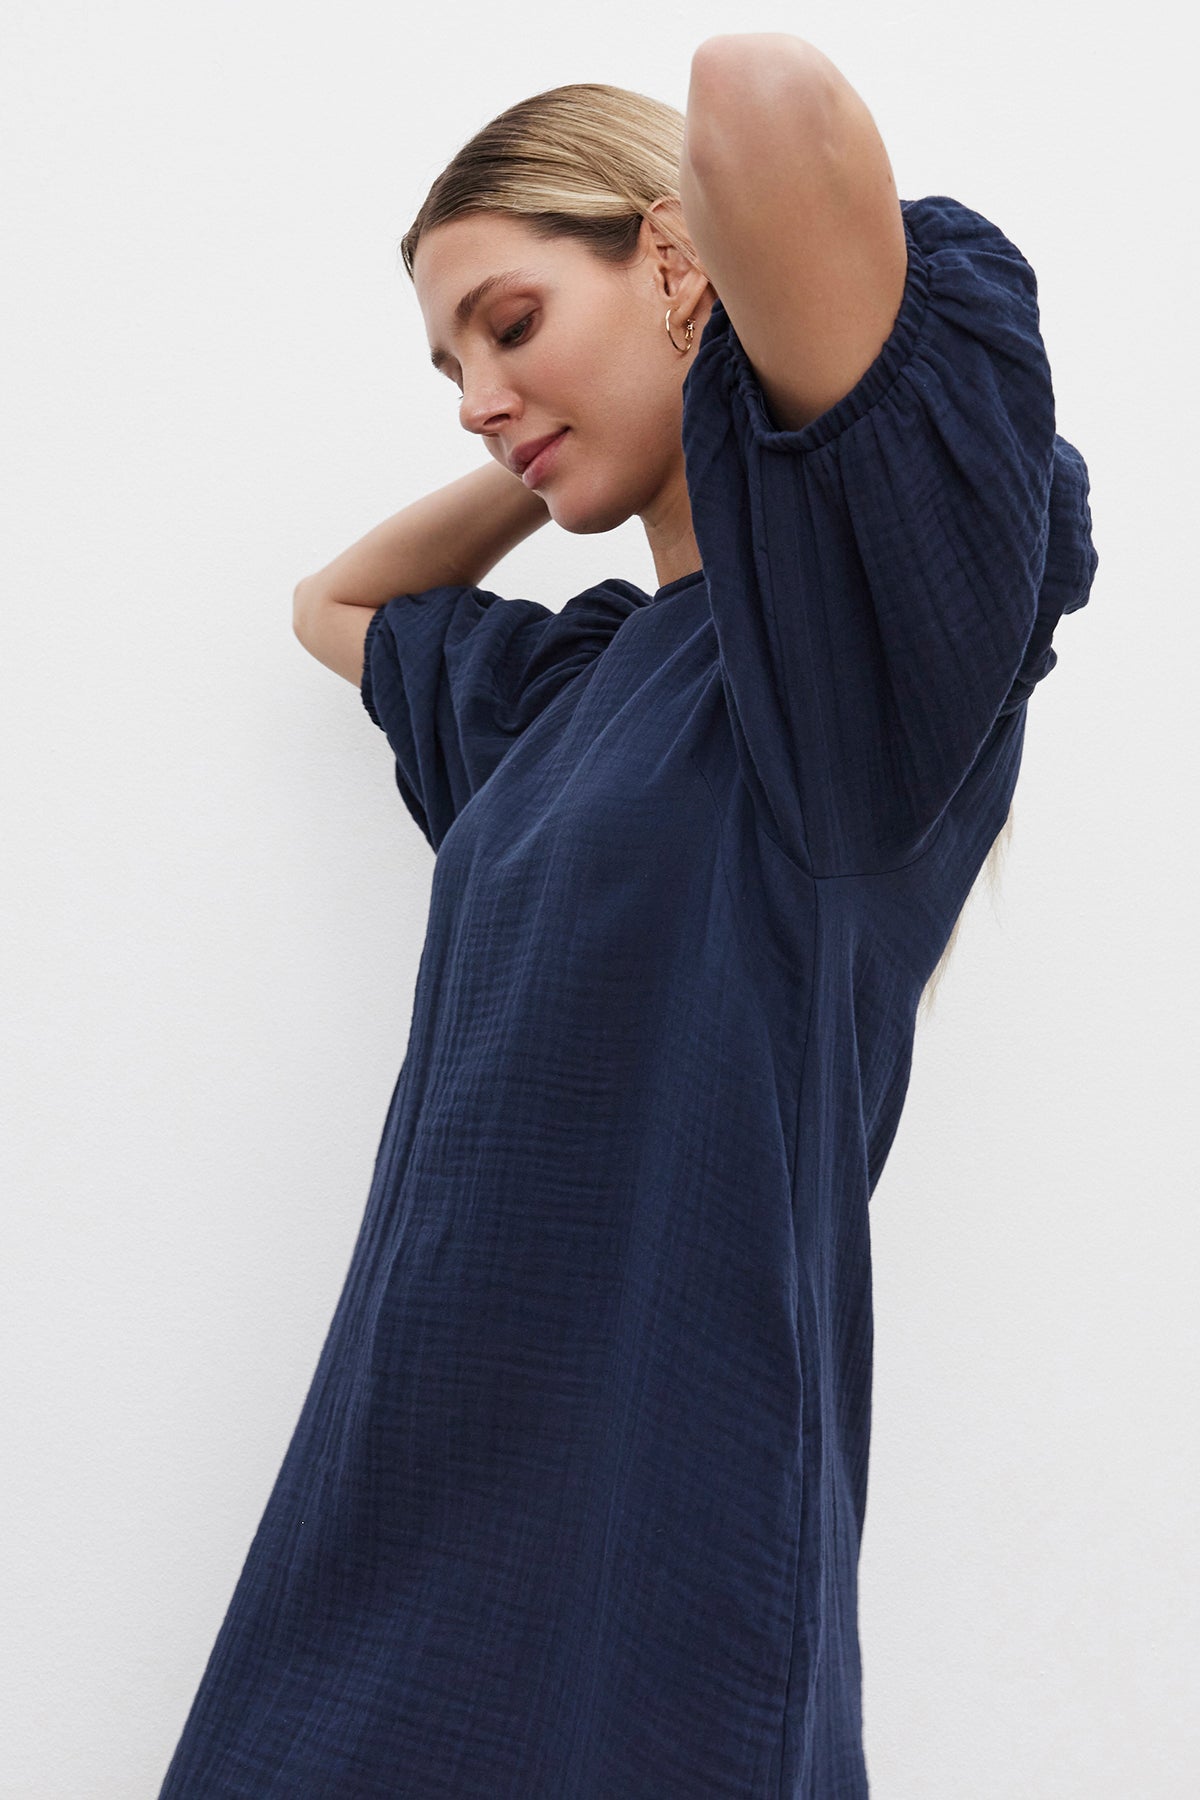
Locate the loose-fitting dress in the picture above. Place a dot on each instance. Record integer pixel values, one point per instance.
(574, 1505)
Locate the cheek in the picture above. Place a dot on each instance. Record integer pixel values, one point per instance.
(619, 390)
(626, 393)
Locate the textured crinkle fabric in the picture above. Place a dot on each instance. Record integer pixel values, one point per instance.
(574, 1505)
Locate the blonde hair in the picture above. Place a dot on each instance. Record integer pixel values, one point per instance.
(589, 161)
(586, 161)
(989, 876)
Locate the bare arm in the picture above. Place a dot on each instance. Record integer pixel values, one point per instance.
(453, 535)
(788, 193)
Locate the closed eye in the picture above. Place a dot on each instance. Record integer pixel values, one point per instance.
(508, 339)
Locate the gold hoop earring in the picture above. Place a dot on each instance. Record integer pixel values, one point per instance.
(690, 328)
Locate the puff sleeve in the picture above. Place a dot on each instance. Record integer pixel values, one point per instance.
(454, 675)
(885, 582)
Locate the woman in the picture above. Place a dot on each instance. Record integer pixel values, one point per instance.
(574, 1505)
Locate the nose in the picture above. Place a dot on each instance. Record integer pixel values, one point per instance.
(477, 407)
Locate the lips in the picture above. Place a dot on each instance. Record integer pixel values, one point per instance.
(524, 454)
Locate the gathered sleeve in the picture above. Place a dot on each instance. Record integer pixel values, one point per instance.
(885, 581)
(454, 675)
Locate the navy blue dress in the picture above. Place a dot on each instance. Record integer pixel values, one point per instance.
(573, 1507)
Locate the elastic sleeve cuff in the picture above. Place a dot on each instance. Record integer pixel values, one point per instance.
(871, 386)
(365, 689)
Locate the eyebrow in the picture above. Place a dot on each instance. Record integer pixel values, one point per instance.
(463, 312)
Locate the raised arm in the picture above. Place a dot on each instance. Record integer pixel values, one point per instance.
(453, 535)
(788, 194)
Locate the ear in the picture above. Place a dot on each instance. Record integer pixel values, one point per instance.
(684, 279)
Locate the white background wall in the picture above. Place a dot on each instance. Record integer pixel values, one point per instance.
(216, 377)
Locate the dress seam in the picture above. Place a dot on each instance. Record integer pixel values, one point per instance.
(794, 1178)
(853, 874)
(796, 1574)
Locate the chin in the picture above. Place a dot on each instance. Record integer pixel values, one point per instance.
(585, 515)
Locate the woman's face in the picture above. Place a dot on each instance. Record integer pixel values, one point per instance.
(570, 342)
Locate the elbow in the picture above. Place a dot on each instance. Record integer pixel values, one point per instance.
(734, 60)
(743, 86)
(301, 608)
(767, 44)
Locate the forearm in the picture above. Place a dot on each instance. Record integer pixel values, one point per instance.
(453, 535)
